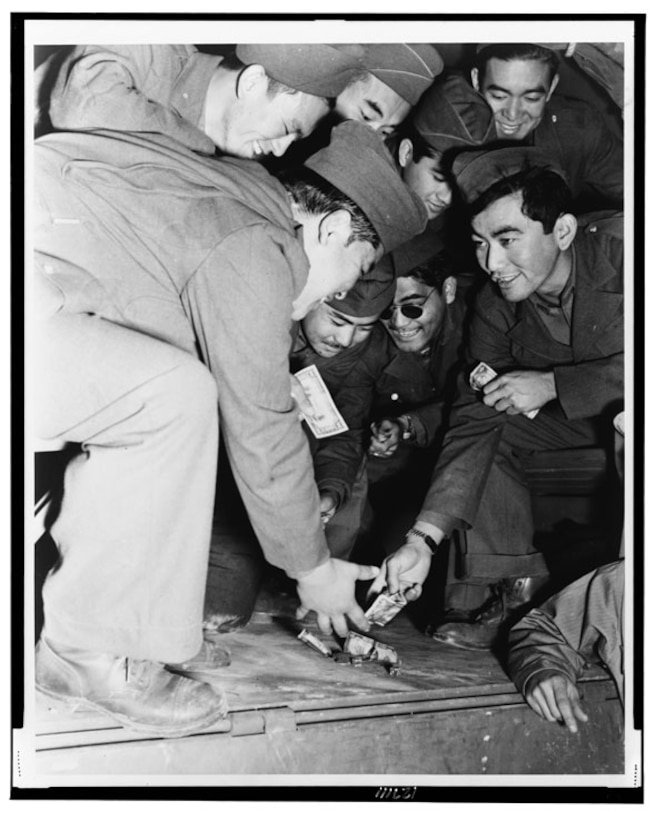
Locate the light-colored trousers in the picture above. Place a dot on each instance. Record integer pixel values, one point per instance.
(135, 522)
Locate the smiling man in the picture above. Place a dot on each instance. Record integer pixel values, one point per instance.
(390, 84)
(550, 322)
(167, 288)
(518, 81)
(254, 102)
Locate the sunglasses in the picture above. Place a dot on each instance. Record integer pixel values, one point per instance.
(408, 311)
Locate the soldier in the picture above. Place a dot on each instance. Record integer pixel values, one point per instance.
(550, 322)
(168, 284)
(518, 81)
(393, 78)
(254, 102)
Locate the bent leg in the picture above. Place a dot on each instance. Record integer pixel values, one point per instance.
(134, 526)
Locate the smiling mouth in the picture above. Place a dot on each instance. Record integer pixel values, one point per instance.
(505, 281)
(406, 334)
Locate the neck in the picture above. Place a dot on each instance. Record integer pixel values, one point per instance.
(559, 276)
(220, 98)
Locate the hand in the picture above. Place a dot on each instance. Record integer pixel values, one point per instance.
(385, 438)
(554, 697)
(329, 590)
(404, 571)
(328, 502)
(300, 397)
(520, 391)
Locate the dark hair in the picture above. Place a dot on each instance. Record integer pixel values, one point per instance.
(420, 147)
(516, 51)
(315, 195)
(434, 271)
(546, 196)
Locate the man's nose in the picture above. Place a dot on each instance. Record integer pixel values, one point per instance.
(280, 145)
(512, 108)
(495, 260)
(399, 319)
(345, 335)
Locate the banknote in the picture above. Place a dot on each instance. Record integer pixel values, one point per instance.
(325, 419)
(483, 374)
(385, 607)
(316, 643)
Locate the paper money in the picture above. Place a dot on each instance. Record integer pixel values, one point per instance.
(385, 607)
(325, 419)
(316, 643)
(357, 644)
(483, 374)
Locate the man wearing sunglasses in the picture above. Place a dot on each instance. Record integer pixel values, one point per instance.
(550, 323)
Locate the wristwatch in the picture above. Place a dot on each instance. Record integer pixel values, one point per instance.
(429, 540)
(408, 434)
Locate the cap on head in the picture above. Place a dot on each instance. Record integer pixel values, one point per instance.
(372, 293)
(358, 163)
(407, 68)
(418, 251)
(452, 114)
(314, 68)
(476, 171)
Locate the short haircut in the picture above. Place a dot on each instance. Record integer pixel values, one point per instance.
(516, 51)
(546, 196)
(420, 146)
(434, 271)
(232, 63)
(315, 195)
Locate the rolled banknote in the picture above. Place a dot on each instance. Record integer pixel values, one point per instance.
(325, 419)
(316, 643)
(385, 607)
(482, 374)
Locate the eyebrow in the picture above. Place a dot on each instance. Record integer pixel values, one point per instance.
(538, 90)
(375, 107)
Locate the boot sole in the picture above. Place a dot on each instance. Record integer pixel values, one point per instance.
(160, 731)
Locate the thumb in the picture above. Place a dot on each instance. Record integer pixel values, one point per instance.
(301, 612)
(364, 572)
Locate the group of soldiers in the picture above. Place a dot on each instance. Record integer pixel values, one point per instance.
(184, 272)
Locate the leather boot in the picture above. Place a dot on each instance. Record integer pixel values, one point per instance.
(511, 600)
(140, 695)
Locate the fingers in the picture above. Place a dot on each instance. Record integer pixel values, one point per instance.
(301, 612)
(365, 572)
(379, 583)
(413, 593)
(393, 577)
(358, 618)
(324, 623)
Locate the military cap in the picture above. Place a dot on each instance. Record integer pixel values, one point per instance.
(476, 171)
(314, 68)
(358, 163)
(407, 68)
(418, 251)
(372, 293)
(451, 114)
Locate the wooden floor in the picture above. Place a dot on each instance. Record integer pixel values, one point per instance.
(294, 711)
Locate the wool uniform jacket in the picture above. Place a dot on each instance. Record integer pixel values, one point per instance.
(146, 88)
(589, 153)
(511, 336)
(203, 254)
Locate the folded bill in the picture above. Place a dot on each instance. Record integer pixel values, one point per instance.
(325, 419)
(482, 374)
(385, 607)
(316, 643)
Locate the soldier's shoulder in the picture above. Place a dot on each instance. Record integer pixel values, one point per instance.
(602, 224)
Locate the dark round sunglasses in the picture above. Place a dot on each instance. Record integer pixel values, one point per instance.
(408, 311)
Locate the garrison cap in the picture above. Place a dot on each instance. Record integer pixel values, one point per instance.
(358, 163)
(476, 171)
(451, 114)
(418, 251)
(372, 293)
(314, 68)
(407, 68)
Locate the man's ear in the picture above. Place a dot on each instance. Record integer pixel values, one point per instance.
(565, 230)
(449, 289)
(405, 152)
(334, 226)
(553, 86)
(475, 79)
(253, 78)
